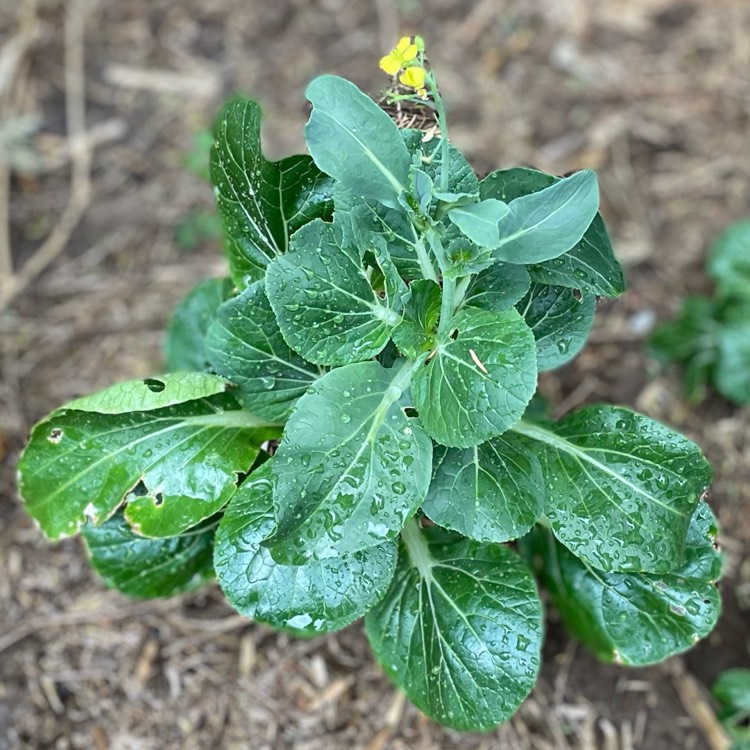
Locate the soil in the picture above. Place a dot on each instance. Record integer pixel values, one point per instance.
(654, 94)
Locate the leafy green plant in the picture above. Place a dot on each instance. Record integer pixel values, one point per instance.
(732, 691)
(710, 337)
(348, 421)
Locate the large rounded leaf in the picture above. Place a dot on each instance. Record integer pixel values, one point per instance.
(639, 618)
(352, 467)
(147, 568)
(488, 492)
(173, 466)
(478, 380)
(460, 629)
(245, 345)
(621, 488)
(316, 597)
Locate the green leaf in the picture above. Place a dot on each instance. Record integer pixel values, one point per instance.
(245, 345)
(422, 189)
(729, 260)
(732, 371)
(186, 333)
(151, 393)
(590, 264)
(463, 257)
(324, 304)
(732, 691)
(638, 618)
(560, 321)
(461, 178)
(260, 203)
(546, 224)
(147, 568)
(497, 288)
(173, 466)
(416, 332)
(351, 467)
(479, 380)
(460, 629)
(487, 493)
(317, 597)
(621, 488)
(355, 141)
(480, 222)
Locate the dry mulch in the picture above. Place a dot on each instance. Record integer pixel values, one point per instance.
(99, 104)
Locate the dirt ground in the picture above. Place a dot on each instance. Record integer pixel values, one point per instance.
(100, 104)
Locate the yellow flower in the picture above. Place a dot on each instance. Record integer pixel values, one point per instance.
(414, 77)
(405, 51)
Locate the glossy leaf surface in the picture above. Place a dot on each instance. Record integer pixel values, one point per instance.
(186, 333)
(260, 203)
(317, 597)
(621, 488)
(147, 568)
(480, 221)
(324, 303)
(638, 618)
(480, 379)
(497, 288)
(416, 332)
(460, 629)
(559, 320)
(173, 466)
(245, 345)
(351, 467)
(354, 141)
(487, 493)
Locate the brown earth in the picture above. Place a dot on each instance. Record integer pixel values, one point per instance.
(654, 94)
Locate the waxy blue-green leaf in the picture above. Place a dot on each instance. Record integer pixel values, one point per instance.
(497, 288)
(355, 141)
(590, 264)
(462, 256)
(147, 568)
(479, 379)
(560, 321)
(151, 393)
(317, 597)
(260, 203)
(173, 466)
(416, 332)
(351, 467)
(462, 181)
(186, 333)
(488, 492)
(460, 628)
(245, 345)
(324, 303)
(638, 618)
(480, 222)
(546, 224)
(620, 487)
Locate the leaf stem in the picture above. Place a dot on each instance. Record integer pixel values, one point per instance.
(417, 548)
(425, 264)
(447, 306)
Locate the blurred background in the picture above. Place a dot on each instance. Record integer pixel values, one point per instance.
(106, 220)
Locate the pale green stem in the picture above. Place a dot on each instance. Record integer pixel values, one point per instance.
(425, 264)
(417, 548)
(461, 289)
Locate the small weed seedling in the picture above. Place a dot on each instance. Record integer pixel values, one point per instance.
(710, 337)
(732, 692)
(346, 431)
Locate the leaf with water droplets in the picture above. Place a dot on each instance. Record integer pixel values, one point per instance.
(260, 203)
(317, 597)
(351, 467)
(638, 618)
(354, 141)
(487, 493)
(590, 264)
(460, 628)
(560, 321)
(245, 345)
(323, 301)
(620, 488)
(416, 332)
(184, 345)
(479, 379)
(497, 288)
(146, 568)
(172, 466)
